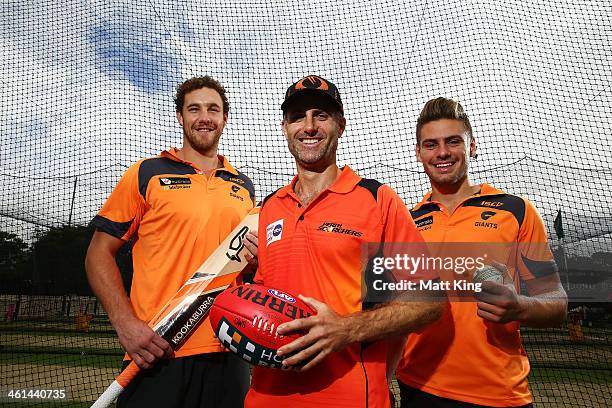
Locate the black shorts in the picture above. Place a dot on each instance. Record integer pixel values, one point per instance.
(215, 380)
(413, 398)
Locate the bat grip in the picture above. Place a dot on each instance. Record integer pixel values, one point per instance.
(127, 375)
(116, 388)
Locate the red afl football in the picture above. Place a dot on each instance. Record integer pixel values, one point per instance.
(245, 319)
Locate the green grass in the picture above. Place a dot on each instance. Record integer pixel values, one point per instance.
(37, 333)
(587, 363)
(65, 360)
(590, 376)
(60, 333)
(62, 350)
(57, 329)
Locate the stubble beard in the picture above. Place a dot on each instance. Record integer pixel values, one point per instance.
(200, 144)
(449, 179)
(311, 158)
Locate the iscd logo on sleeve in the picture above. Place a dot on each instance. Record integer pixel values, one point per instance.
(274, 232)
(236, 180)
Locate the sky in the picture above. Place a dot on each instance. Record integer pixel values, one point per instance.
(88, 89)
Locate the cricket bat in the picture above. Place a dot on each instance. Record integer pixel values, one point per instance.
(189, 307)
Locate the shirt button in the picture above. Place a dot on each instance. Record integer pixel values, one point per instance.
(299, 205)
(301, 218)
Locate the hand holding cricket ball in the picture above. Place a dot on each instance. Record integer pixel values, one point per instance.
(498, 300)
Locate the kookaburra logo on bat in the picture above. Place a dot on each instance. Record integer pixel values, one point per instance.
(236, 245)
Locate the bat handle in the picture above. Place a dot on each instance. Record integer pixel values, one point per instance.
(116, 388)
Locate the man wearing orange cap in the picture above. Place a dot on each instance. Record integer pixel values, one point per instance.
(313, 235)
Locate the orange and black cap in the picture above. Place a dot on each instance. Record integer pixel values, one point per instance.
(313, 83)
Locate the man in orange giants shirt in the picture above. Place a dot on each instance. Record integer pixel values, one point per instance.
(312, 233)
(177, 208)
(473, 356)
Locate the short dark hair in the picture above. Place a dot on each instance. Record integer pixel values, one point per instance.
(442, 108)
(199, 83)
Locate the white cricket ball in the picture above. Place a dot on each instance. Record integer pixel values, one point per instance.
(488, 273)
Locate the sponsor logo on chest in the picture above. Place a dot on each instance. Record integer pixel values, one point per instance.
(424, 223)
(274, 232)
(174, 183)
(338, 229)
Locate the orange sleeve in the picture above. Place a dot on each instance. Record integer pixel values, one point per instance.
(123, 210)
(398, 224)
(400, 234)
(535, 259)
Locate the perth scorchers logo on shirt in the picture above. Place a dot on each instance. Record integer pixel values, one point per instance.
(337, 228)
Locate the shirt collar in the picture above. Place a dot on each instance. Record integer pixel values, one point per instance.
(345, 183)
(172, 154)
(485, 190)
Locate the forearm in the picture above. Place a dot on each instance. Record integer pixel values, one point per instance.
(141, 343)
(392, 319)
(105, 280)
(544, 310)
(328, 332)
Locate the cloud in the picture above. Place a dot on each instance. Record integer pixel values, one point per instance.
(130, 51)
(88, 89)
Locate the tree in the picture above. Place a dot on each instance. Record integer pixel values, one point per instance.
(13, 261)
(58, 261)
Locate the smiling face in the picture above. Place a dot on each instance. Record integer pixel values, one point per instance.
(444, 148)
(203, 120)
(312, 125)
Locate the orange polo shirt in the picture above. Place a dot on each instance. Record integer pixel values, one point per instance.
(317, 251)
(176, 217)
(462, 356)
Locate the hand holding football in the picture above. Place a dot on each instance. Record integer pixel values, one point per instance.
(245, 319)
